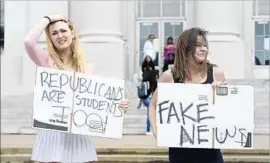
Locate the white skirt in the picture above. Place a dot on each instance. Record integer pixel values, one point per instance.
(53, 146)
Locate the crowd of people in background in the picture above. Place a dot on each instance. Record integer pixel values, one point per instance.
(150, 74)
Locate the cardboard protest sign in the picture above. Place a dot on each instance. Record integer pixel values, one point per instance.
(78, 103)
(195, 116)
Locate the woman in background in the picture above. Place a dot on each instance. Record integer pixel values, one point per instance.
(169, 52)
(149, 80)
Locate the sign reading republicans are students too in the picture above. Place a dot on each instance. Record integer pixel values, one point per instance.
(78, 103)
(197, 116)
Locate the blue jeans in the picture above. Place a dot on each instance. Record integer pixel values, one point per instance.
(146, 102)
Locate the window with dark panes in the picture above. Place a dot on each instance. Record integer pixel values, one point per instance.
(1, 25)
(262, 32)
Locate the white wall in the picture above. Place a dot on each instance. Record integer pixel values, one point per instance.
(12, 57)
(225, 32)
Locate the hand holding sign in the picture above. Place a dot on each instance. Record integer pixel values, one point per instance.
(219, 78)
(124, 105)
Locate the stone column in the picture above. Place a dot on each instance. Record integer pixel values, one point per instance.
(11, 59)
(223, 20)
(100, 28)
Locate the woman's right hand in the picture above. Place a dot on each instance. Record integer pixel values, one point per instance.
(55, 18)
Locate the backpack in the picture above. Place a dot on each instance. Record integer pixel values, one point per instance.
(142, 90)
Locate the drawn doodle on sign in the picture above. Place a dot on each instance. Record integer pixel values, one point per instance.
(93, 121)
(234, 90)
(185, 136)
(189, 137)
(221, 135)
(245, 140)
(202, 97)
(62, 115)
(222, 91)
(96, 124)
(249, 140)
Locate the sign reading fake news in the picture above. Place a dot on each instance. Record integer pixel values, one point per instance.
(195, 116)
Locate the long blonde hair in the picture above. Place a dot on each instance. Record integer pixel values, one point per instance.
(78, 56)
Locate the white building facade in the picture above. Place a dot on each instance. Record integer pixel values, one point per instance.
(112, 34)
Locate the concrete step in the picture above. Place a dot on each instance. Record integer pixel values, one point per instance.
(25, 158)
(134, 131)
(135, 121)
(140, 151)
(140, 155)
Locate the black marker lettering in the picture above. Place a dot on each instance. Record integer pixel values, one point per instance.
(55, 96)
(63, 80)
(172, 107)
(99, 92)
(160, 110)
(199, 130)
(199, 111)
(226, 135)
(43, 79)
(184, 133)
(53, 80)
(184, 111)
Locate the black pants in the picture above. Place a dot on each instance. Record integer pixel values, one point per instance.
(191, 155)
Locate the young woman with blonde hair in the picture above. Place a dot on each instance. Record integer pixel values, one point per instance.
(64, 53)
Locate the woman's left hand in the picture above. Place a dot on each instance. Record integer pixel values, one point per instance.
(124, 105)
(218, 83)
(219, 78)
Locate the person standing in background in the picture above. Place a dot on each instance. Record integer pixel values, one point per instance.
(148, 48)
(169, 52)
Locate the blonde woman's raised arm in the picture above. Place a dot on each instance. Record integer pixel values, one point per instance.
(36, 54)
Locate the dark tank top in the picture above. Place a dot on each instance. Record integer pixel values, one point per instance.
(209, 79)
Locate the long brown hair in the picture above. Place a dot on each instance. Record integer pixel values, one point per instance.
(185, 50)
(78, 56)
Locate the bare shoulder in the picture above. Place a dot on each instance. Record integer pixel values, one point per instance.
(166, 77)
(218, 69)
